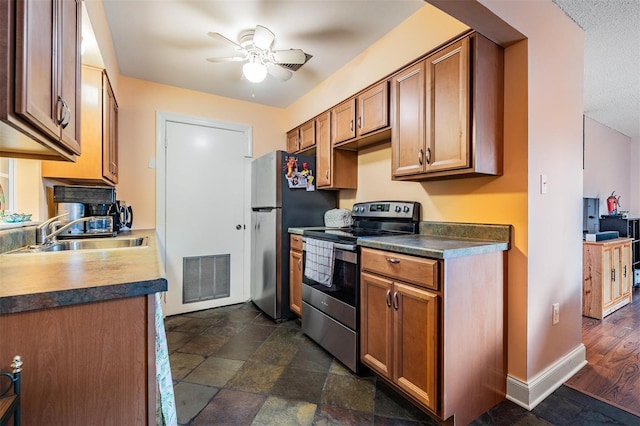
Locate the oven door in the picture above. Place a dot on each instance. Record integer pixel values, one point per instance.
(340, 300)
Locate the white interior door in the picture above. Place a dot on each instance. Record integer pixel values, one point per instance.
(204, 215)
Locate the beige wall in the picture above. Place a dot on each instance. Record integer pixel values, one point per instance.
(138, 102)
(607, 165)
(554, 132)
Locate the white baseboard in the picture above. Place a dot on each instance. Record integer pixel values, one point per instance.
(529, 394)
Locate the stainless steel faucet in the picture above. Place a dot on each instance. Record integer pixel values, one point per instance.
(44, 228)
(51, 237)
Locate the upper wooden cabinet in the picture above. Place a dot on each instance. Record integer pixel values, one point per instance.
(98, 163)
(302, 138)
(447, 112)
(109, 131)
(361, 115)
(40, 75)
(335, 169)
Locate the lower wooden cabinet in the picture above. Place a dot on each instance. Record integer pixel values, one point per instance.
(399, 335)
(85, 364)
(607, 276)
(295, 274)
(433, 329)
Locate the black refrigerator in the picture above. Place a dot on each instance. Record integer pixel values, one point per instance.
(283, 195)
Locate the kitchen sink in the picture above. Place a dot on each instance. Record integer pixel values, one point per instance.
(85, 244)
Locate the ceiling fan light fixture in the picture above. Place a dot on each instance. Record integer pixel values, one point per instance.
(254, 71)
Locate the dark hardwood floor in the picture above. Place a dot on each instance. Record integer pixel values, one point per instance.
(613, 354)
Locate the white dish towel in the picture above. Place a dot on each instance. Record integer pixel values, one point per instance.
(318, 265)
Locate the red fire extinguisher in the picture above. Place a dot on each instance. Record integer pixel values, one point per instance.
(613, 203)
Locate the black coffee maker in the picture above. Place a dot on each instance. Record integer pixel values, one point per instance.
(122, 215)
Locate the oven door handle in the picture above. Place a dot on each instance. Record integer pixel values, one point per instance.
(348, 247)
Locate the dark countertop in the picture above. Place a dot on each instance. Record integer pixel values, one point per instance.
(440, 240)
(436, 247)
(34, 281)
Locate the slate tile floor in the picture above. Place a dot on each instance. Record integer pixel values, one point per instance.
(235, 366)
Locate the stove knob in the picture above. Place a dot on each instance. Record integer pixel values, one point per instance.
(398, 209)
(406, 209)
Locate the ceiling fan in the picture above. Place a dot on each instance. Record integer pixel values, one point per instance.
(254, 46)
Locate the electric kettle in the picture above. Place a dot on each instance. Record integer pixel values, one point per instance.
(122, 216)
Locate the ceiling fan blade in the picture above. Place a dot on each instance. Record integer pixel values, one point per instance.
(278, 72)
(222, 38)
(263, 37)
(291, 56)
(227, 59)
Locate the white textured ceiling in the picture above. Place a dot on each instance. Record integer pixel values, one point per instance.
(166, 41)
(611, 60)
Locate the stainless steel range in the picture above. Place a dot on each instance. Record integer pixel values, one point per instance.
(331, 285)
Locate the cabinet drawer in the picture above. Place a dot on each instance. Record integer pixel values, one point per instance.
(296, 242)
(416, 270)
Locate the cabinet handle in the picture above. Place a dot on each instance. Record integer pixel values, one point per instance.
(299, 264)
(613, 275)
(625, 271)
(296, 239)
(391, 260)
(66, 123)
(395, 300)
(63, 111)
(326, 174)
(428, 155)
(388, 298)
(359, 122)
(420, 157)
(351, 125)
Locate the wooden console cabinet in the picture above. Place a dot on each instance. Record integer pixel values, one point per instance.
(607, 277)
(433, 329)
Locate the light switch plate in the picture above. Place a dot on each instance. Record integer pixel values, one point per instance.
(543, 184)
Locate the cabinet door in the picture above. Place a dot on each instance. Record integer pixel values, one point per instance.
(307, 135)
(415, 339)
(109, 133)
(35, 78)
(375, 323)
(69, 71)
(616, 274)
(626, 273)
(608, 274)
(343, 121)
(323, 150)
(373, 109)
(447, 108)
(295, 282)
(292, 140)
(407, 133)
(47, 68)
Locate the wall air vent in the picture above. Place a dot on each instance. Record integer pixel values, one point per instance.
(206, 278)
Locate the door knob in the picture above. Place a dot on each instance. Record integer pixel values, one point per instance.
(238, 227)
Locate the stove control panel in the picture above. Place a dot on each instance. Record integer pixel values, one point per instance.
(409, 210)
